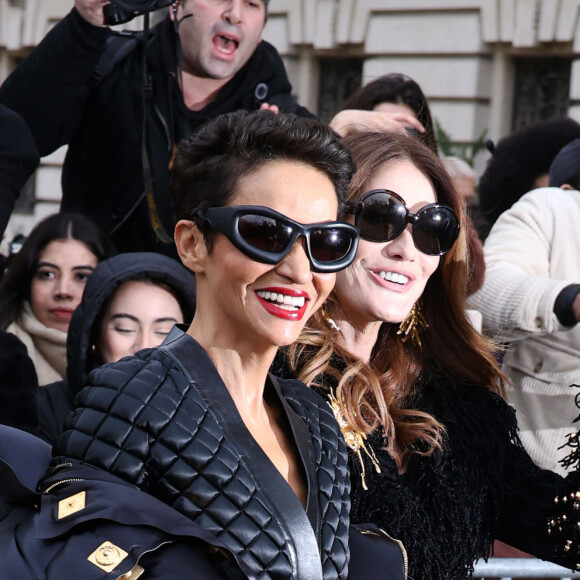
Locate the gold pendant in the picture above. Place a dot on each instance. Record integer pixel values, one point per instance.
(355, 440)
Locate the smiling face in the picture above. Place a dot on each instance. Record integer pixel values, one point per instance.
(140, 315)
(386, 279)
(218, 37)
(251, 306)
(59, 281)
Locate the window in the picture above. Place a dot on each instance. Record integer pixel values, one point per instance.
(339, 78)
(542, 88)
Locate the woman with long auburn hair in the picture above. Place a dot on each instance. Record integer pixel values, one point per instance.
(435, 457)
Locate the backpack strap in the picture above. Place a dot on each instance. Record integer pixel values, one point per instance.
(119, 45)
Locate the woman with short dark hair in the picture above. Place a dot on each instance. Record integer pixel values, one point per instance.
(192, 459)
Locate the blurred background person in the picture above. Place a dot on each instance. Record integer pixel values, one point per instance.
(519, 163)
(203, 59)
(131, 301)
(530, 302)
(464, 178)
(399, 98)
(44, 284)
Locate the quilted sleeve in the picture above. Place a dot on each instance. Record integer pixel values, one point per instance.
(119, 416)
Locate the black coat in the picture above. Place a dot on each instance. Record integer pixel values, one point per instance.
(449, 507)
(18, 159)
(56, 401)
(101, 119)
(81, 522)
(18, 384)
(164, 422)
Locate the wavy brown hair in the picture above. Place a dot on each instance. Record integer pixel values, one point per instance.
(380, 394)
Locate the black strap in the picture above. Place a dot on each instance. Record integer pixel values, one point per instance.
(118, 47)
(148, 178)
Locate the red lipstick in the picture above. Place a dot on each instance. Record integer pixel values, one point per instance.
(268, 298)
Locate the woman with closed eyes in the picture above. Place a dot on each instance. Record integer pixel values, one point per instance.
(252, 469)
(131, 302)
(435, 457)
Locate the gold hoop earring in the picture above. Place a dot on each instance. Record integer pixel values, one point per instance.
(413, 325)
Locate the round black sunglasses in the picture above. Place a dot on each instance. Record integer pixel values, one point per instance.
(381, 216)
(267, 236)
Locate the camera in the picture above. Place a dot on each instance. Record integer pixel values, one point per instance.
(120, 11)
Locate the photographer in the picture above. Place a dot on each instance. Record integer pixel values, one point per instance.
(206, 58)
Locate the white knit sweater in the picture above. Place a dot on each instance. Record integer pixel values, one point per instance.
(531, 254)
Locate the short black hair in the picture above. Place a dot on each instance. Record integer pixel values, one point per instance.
(518, 160)
(210, 164)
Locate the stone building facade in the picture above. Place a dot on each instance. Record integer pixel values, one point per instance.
(485, 65)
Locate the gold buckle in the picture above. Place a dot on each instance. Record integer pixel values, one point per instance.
(107, 556)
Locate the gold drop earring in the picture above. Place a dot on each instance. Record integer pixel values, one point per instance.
(413, 325)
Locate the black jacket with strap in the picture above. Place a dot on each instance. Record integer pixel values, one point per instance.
(100, 117)
(164, 422)
(82, 522)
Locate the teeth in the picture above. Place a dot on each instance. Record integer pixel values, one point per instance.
(394, 277)
(283, 301)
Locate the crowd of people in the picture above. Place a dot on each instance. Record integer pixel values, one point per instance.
(254, 345)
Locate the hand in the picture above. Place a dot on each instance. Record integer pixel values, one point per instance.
(268, 107)
(351, 121)
(92, 11)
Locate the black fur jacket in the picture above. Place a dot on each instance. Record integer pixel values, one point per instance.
(448, 508)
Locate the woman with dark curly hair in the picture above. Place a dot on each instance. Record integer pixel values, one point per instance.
(231, 472)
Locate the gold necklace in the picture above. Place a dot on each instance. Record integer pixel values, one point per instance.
(354, 439)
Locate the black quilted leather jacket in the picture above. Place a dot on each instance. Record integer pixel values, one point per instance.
(164, 421)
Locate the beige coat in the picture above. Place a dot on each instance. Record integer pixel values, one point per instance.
(531, 254)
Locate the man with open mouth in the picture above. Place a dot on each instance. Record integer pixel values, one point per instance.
(206, 58)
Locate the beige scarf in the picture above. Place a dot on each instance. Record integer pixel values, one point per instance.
(46, 346)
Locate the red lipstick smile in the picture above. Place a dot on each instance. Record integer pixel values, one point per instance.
(284, 302)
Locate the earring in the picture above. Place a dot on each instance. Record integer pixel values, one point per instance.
(329, 320)
(412, 325)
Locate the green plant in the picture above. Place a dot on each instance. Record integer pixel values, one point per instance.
(465, 151)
